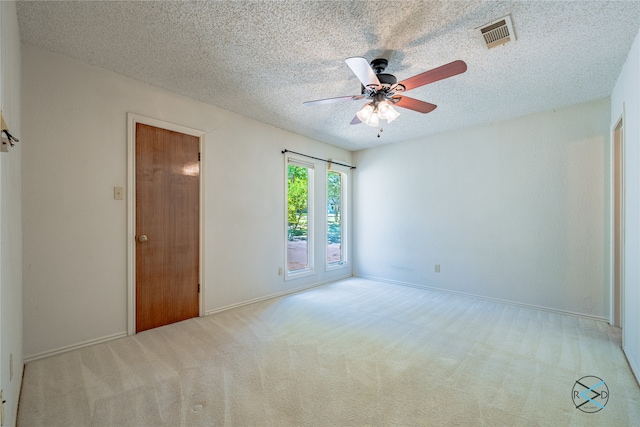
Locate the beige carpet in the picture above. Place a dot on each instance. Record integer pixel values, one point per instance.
(352, 353)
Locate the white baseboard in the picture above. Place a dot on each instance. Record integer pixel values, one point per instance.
(64, 349)
(276, 295)
(87, 343)
(519, 304)
(634, 368)
(123, 334)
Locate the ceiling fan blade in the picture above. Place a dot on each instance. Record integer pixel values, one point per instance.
(363, 71)
(356, 121)
(334, 100)
(448, 70)
(414, 104)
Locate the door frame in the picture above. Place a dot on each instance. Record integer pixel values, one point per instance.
(617, 295)
(132, 121)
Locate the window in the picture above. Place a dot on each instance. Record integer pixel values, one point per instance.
(331, 249)
(335, 230)
(299, 216)
(337, 216)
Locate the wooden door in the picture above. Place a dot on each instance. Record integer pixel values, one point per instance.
(167, 226)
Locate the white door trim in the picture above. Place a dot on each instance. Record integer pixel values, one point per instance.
(618, 126)
(132, 121)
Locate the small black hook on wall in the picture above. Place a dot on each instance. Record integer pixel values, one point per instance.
(6, 135)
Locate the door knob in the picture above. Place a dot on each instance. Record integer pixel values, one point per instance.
(143, 238)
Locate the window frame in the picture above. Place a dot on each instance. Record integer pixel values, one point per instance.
(344, 217)
(310, 269)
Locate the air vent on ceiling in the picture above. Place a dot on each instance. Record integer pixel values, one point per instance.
(497, 32)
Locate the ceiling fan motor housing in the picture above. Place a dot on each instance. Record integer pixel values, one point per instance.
(387, 79)
(379, 65)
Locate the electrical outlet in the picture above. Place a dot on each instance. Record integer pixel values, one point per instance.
(279, 271)
(437, 268)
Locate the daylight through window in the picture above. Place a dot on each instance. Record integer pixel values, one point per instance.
(299, 216)
(334, 217)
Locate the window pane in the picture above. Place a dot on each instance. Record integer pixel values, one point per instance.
(297, 217)
(334, 217)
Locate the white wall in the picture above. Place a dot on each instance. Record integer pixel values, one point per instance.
(626, 96)
(10, 216)
(516, 210)
(74, 119)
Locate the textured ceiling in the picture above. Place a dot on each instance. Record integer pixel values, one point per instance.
(264, 59)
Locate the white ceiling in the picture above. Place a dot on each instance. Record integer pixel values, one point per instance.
(263, 59)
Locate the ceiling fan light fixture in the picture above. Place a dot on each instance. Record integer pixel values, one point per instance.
(387, 112)
(373, 112)
(368, 115)
(374, 120)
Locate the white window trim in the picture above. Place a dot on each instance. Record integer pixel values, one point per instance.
(310, 270)
(344, 208)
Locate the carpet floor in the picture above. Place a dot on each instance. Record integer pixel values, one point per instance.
(352, 353)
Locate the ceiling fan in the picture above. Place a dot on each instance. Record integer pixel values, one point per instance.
(385, 92)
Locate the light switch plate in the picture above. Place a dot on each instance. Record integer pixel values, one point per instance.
(118, 193)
